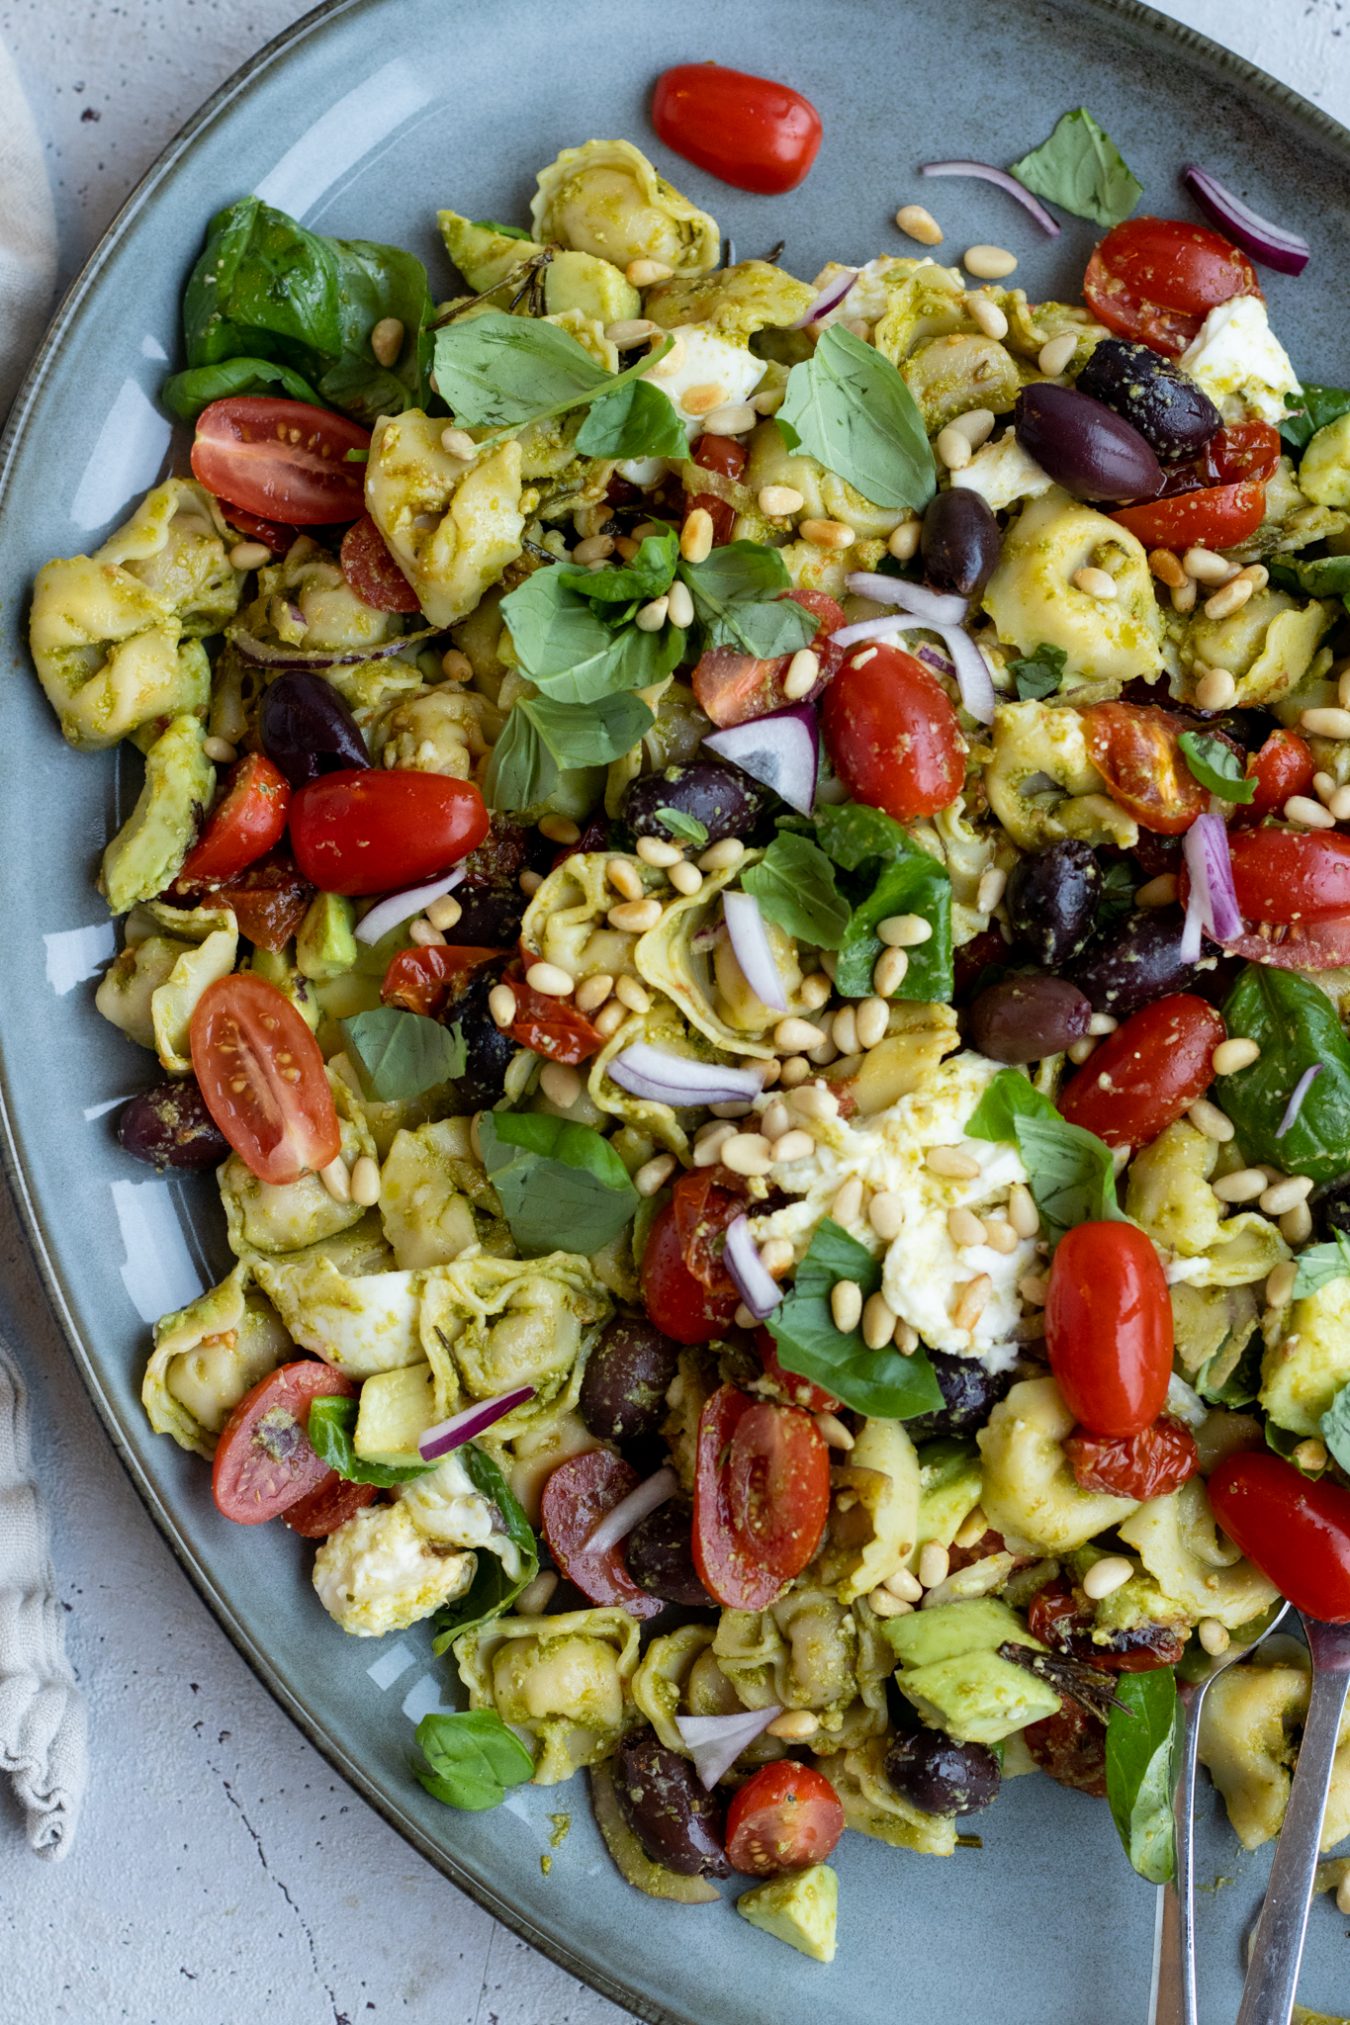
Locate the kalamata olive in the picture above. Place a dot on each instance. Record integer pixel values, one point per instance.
(1088, 449)
(970, 1394)
(960, 541)
(307, 730)
(1175, 417)
(1053, 896)
(659, 1554)
(489, 917)
(1137, 960)
(623, 1391)
(1331, 1209)
(1024, 1019)
(487, 1050)
(170, 1126)
(725, 800)
(659, 1795)
(938, 1775)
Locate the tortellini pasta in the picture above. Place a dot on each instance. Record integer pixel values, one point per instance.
(272, 1217)
(564, 1681)
(1042, 784)
(207, 1356)
(146, 854)
(1030, 1493)
(825, 496)
(1268, 644)
(1033, 599)
(152, 988)
(1179, 1543)
(446, 729)
(489, 1324)
(565, 921)
(606, 198)
(707, 983)
(873, 1535)
(1249, 1725)
(1168, 1193)
(662, 1681)
(360, 1323)
(305, 602)
(1307, 1358)
(735, 301)
(428, 1187)
(810, 1651)
(451, 527)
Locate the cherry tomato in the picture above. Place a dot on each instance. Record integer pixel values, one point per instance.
(761, 1497)
(1297, 1533)
(425, 980)
(262, 1077)
(1215, 516)
(1065, 1621)
(1238, 451)
(1156, 280)
(1284, 766)
(707, 1201)
(785, 1817)
(269, 899)
(322, 1511)
(1071, 1747)
(270, 532)
(264, 1463)
(366, 831)
(750, 131)
(576, 1498)
(283, 460)
(1293, 892)
(796, 1391)
(892, 736)
(1145, 1074)
(731, 687)
(1149, 1464)
(677, 1303)
(1134, 747)
(721, 453)
(244, 825)
(1108, 1327)
(371, 571)
(553, 1027)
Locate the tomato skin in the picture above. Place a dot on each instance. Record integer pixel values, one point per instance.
(796, 1391)
(1108, 1327)
(1214, 516)
(269, 899)
(1293, 892)
(1156, 280)
(551, 1026)
(1071, 1747)
(283, 460)
(761, 1497)
(720, 511)
(1060, 1620)
(371, 571)
(1135, 748)
(362, 831)
(892, 735)
(752, 132)
(576, 1498)
(1241, 450)
(244, 825)
(732, 687)
(264, 1463)
(707, 1201)
(1145, 1074)
(271, 533)
(785, 1817)
(1297, 1533)
(678, 1304)
(1284, 766)
(1149, 1464)
(282, 1122)
(721, 453)
(424, 980)
(323, 1510)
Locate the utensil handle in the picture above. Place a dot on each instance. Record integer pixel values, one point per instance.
(1272, 1978)
(1174, 1994)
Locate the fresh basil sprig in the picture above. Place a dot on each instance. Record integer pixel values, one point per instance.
(1081, 169)
(1296, 1027)
(331, 1426)
(1143, 1743)
(738, 601)
(542, 740)
(575, 653)
(686, 829)
(1040, 673)
(556, 1181)
(848, 407)
(186, 394)
(492, 1590)
(1310, 410)
(400, 1054)
(795, 885)
(635, 420)
(1216, 766)
(470, 1758)
(880, 1383)
(648, 574)
(1320, 576)
(1071, 1172)
(885, 872)
(500, 372)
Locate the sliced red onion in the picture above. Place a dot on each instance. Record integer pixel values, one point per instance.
(400, 907)
(940, 608)
(756, 1287)
(1273, 245)
(1211, 904)
(753, 949)
(619, 1523)
(716, 1742)
(1184, 1402)
(470, 1421)
(987, 173)
(273, 654)
(1296, 1097)
(972, 674)
(937, 662)
(782, 750)
(877, 629)
(678, 1080)
(829, 298)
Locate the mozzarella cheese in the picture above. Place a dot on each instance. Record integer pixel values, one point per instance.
(1003, 472)
(1240, 363)
(698, 359)
(867, 298)
(377, 1573)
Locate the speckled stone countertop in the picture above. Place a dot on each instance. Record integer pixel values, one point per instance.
(222, 1873)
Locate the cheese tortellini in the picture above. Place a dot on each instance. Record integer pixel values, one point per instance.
(488, 1324)
(207, 1356)
(873, 1537)
(1178, 1541)
(1030, 1493)
(564, 1681)
(810, 1651)
(451, 527)
(379, 1572)
(1250, 1722)
(148, 851)
(1169, 1194)
(1042, 784)
(1033, 599)
(606, 198)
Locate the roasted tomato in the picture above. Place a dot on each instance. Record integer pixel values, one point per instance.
(761, 1497)
(1071, 1747)
(1149, 1464)
(892, 735)
(424, 980)
(1134, 747)
(785, 1817)
(680, 1305)
(1064, 1620)
(707, 1201)
(577, 1496)
(1297, 1533)
(1108, 1327)
(269, 899)
(264, 1463)
(750, 131)
(1147, 1073)
(263, 1079)
(371, 570)
(553, 1027)
(731, 687)
(1157, 279)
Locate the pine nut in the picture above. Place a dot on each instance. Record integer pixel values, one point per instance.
(1078, 1051)
(1055, 354)
(609, 1019)
(934, 1564)
(502, 1005)
(1234, 1054)
(990, 890)
(780, 502)
(249, 555)
(872, 1019)
(1208, 1119)
(424, 935)
(650, 618)
(846, 1305)
(1213, 1636)
(775, 1120)
(631, 330)
(878, 1322)
(219, 751)
(643, 273)
(794, 1145)
(814, 991)
(386, 340)
(701, 400)
(827, 533)
(456, 666)
(635, 995)
(815, 1101)
(1230, 599)
(592, 992)
(365, 1182)
(1245, 1186)
(1165, 566)
(916, 221)
(560, 1084)
(906, 1338)
(1208, 568)
(1095, 583)
(459, 443)
(1296, 1224)
(777, 1257)
(1216, 689)
(953, 448)
(445, 912)
(832, 1431)
(903, 541)
(625, 878)
(802, 675)
(905, 1585)
(709, 1144)
(536, 1596)
(794, 1727)
(988, 263)
(733, 418)
(1023, 1214)
(1000, 1236)
(796, 1036)
(696, 536)
(971, 1300)
(680, 605)
(988, 316)
(560, 829)
(904, 931)
(1326, 723)
(653, 1175)
(685, 878)
(1343, 1895)
(1159, 892)
(1104, 1577)
(844, 1031)
(964, 1227)
(1033, 1287)
(336, 1179)
(595, 548)
(747, 1153)
(720, 857)
(888, 972)
(1311, 1455)
(1324, 786)
(1256, 574)
(847, 1204)
(952, 1162)
(1101, 1024)
(658, 851)
(1303, 809)
(1183, 597)
(768, 401)
(1280, 1283)
(886, 1214)
(635, 917)
(795, 1071)
(1339, 805)
(1286, 1193)
(551, 979)
(883, 1604)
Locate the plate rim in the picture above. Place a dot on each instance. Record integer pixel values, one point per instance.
(1331, 134)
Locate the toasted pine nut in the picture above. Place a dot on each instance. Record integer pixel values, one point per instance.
(1208, 568)
(886, 1214)
(1095, 583)
(456, 666)
(658, 851)
(934, 1564)
(953, 447)
(1311, 1454)
(802, 675)
(1286, 1193)
(990, 889)
(1231, 598)
(832, 1431)
(720, 857)
(1078, 1051)
(1055, 354)
(1209, 1119)
(424, 935)
(631, 330)
(595, 548)
(904, 931)
(1235, 1054)
(696, 536)
(551, 979)
(1280, 1283)
(988, 263)
(610, 1018)
(1165, 566)
(680, 605)
(871, 1021)
(827, 533)
(1159, 892)
(459, 443)
(336, 1179)
(794, 1145)
(685, 878)
(905, 1585)
(502, 1004)
(1000, 1236)
(219, 751)
(701, 400)
(643, 273)
(844, 1031)
(916, 221)
(847, 1204)
(560, 1084)
(888, 972)
(970, 1301)
(1303, 809)
(625, 878)
(1244, 1186)
(1023, 1214)
(1216, 689)
(972, 1528)
(635, 917)
(445, 912)
(815, 1101)
(1033, 1287)
(708, 1146)
(654, 1174)
(795, 1726)
(386, 340)
(1326, 723)
(796, 1036)
(846, 1305)
(559, 829)
(1104, 1577)
(964, 1227)
(883, 1604)
(1183, 597)
(592, 992)
(747, 1153)
(1213, 1636)
(1296, 1224)
(878, 1322)
(780, 502)
(903, 541)
(733, 418)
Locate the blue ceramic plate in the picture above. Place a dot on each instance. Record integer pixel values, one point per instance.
(363, 120)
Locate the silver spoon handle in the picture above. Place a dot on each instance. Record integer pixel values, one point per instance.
(1272, 1978)
(1174, 1996)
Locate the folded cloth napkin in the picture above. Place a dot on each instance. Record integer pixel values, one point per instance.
(27, 234)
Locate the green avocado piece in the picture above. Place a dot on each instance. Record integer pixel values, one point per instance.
(801, 1909)
(148, 851)
(950, 1481)
(977, 1697)
(980, 1623)
(276, 966)
(325, 945)
(1324, 474)
(397, 1408)
(591, 284)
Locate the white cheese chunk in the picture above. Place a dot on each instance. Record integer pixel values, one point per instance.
(699, 358)
(1240, 363)
(1003, 472)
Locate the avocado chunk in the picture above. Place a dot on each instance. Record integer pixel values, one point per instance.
(397, 1408)
(950, 1481)
(276, 967)
(977, 1697)
(325, 945)
(801, 1909)
(147, 853)
(980, 1623)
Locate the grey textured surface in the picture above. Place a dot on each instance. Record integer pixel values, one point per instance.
(222, 1867)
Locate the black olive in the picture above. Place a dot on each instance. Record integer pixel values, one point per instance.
(487, 1050)
(1089, 449)
(659, 1795)
(1137, 961)
(489, 916)
(1173, 415)
(970, 1394)
(935, 1773)
(1331, 1208)
(722, 798)
(1053, 896)
(306, 729)
(1024, 1019)
(623, 1389)
(659, 1554)
(170, 1126)
(960, 541)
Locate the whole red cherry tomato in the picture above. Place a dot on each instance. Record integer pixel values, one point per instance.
(892, 735)
(1145, 1074)
(721, 453)
(363, 830)
(677, 1303)
(576, 1498)
(1284, 766)
(371, 570)
(761, 1497)
(1134, 747)
(244, 825)
(1297, 1533)
(1293, 892)
(1156, 280)
(732, 687)
(1108, 1327)
(785, 1817)
(283, 460)
(753, 133)
(1149, 1464)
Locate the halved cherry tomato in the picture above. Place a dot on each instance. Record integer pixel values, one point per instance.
(892, 735)
(284, 460)
(334, 1502)
(785, 1817)
(1241, 450)
(1134, 747)
(263, 1080)
(721, 453)
(1215, 516)
(373, 831)
(1284, 766)
(1297, 1532)
(761, 1496)
(264, 1463)
(750, 131)
(576, 1498)
(1293, 892)
(372, 572)
(1156, 280)
(796, 1391)
(1145, 1074)
(269, 899)
(272, 533)
(1108, 1327)
(244, 825)
(707, 1201)
(553, 1027)
(1149, 1464)
(677, 1303)
(1071, 1747)
(731, 687)
(1064, 1620)
(424, 980)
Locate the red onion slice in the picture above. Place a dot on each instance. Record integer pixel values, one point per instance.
(678, 1080)
(753, 950)
(470, 1421)
(273, 654)
(829, 298)
(1296, 1097)
(716, 1742)
(400, 907)
(1211, 904)
(877, 629)
(1273, 245)
(756, 1287)
(619, 1523)
(782, 750)
(1000, 178)
(940, 608)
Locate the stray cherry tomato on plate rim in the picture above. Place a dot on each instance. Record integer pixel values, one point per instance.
(750, 131)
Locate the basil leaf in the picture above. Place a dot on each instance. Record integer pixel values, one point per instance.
(502, 371)
(1215, 764)
(1336, 1427)
(1311, 410)
(1143, 1743)
(1232, 1376)
(880, 1383)
(502, 231)
(636, 420)
(795, 886)
(186, 394)
(1070, 1171)
(558, 1183)
(470, 1758)
(646, 576)
(1296, 1026)
(569, 651)
(522, 772)
(892, 875)
(849, 408)
(492, 1590)
(401, 1054)
(1081, 169)
(1039, 673)
(1117, 893)
(686, 829)
(737, 597)
(590, 734)
(331, 1425)
(1324, 576)
(1320, 1264)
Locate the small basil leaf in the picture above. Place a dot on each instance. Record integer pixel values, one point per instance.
(685, 828)
(795, 886)
(1216, 766)
(1071, 1172)
(1232, 1376)
(1117, 893)
(568, 649)
(887, 873)
(501, 371)
(1321, 576)
(522, 772)
(880, 1383)
(1336, 1427)
(646, 576)
(331, 1426)
(588, 734)
(1320, 1264)
(186, 394)
(1311, 410)
(558, 1183)
(1081, 169)
(492, 1590)
(1143, 1742)
(1296, 1026)
(401, 1054)
(849, 408)
(635, 420)
(738, 600)
(1039, 673)
(470, 1758)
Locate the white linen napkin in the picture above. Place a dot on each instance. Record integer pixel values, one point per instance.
(27, 234)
